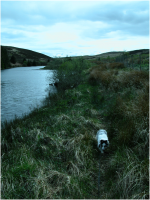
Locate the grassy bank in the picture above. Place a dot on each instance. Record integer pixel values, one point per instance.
(52, 152)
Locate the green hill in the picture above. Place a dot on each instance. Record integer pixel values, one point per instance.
(21, 57)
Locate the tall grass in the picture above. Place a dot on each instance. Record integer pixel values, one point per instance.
(52, 152)
(126, 115)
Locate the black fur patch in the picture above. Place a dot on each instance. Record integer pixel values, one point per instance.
(104, 141)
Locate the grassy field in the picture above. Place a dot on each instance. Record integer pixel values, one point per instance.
(52, 152)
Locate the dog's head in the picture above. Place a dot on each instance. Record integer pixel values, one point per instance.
(103, 144)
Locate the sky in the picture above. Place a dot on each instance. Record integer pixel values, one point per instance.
(72, 28)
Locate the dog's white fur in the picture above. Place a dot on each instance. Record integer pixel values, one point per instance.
(102, 140)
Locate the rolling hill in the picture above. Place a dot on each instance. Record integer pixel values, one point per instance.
(23, 57)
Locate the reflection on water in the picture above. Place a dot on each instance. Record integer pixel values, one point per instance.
(22, 89)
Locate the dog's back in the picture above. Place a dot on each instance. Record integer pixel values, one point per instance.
(102, 134)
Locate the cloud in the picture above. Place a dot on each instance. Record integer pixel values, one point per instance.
(60, 33)
(75, 27)
(51, 12)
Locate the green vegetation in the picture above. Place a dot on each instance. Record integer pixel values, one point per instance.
(18, 57)
(13, 59)
(4, 59)
(52, 152)
(135, 60)
(29, 63)
(70, 73)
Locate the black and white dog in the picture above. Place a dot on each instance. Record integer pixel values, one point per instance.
(102, 140)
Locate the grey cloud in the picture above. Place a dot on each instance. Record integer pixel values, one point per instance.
(125, 30)
(41, 13)
(120, 10)
(45, 13)
(127, 18)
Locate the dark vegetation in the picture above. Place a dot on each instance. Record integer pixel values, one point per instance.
(52, 152)
(18, 57)
(13, 59)
(4, 59)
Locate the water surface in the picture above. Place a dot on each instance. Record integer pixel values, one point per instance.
(23, 88)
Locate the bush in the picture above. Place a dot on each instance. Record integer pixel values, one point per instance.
(13, 59)
(70, 74)
(4, 59)
(29, 63)
(24, 64)
(134, 78)
(116, 65)
(24, 60)
(34, 63)
(97, 75)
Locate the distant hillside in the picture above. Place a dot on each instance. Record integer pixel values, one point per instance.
(118, 53)
(110, 54)
(18, 57)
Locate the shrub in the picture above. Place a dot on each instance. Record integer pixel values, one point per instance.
(99, 76)
(34, 63)
(4, 59)
(24, 59)
(13, 59)
(29, 63)
(70, 74)
(134, 78)
(24, 64)
(96, 62)
(116, 65)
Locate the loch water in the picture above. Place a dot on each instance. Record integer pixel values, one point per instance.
(22, 89)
